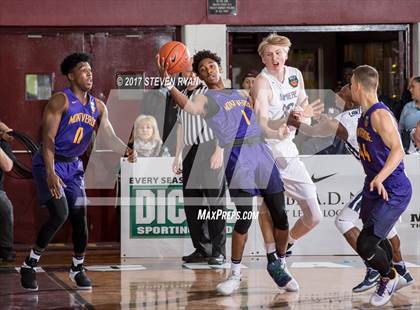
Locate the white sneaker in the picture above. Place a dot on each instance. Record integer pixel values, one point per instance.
(292, 285)
(230, 285)
(384, 290)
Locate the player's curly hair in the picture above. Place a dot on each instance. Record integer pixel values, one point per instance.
(72, 60)
(199, 56)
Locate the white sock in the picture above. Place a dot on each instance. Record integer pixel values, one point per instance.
(235, 269)
(283, 259)
(400, 263)
(270, 247)
(34, 255)
(77, 261)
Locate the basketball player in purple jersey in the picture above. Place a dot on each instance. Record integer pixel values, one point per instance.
(67, 126)
(249, 165)
(387, 189)
(344, 126)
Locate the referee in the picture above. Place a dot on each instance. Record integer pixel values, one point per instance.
(203, 177)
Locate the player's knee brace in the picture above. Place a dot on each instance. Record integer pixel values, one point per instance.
(276, 206)
(387, 247)
(80, 230)
(311, 212)
(242, 225)
(367, 243)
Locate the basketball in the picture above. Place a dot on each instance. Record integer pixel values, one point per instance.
(176, 55)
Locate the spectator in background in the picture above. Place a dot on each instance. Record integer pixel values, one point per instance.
(410, 115)
(405, 98)
(248, 80)
(414, 147)
(146, 138)
(6, 208)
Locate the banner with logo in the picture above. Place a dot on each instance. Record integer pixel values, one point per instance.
(153, 221)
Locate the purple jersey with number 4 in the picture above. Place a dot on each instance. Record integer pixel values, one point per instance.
(76, 126)
(373, 155)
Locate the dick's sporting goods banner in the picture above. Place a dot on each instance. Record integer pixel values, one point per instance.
(153, 221)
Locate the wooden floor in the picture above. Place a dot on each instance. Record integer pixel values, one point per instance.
(325, 283)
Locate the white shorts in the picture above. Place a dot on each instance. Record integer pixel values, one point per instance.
(297, 183)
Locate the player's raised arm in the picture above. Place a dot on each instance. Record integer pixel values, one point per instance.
(326, 127)
(53, 112)
(195, 105)
(116, 144)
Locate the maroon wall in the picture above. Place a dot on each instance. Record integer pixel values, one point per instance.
(181, 12)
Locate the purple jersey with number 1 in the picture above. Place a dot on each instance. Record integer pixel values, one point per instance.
(249, 164)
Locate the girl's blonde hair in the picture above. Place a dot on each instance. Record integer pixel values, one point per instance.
(144, 119)
(274, 39)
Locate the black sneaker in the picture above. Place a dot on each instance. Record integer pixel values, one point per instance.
(217, 260)
(195, 257)
(28, 274)
(7, 254)
(78, 276)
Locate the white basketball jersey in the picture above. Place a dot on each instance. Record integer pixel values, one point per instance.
(286, 96)
(349, 121)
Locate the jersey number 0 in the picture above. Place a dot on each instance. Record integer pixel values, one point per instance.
(78, 136)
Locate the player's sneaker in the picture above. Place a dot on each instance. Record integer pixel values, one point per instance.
(278, 271)
(370, 280)
(406, 278)
(384, 290)
(78, 276)
(28, 274)
(230, 285)
(292, 286)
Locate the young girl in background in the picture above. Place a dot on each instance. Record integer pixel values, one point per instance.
(146, 138)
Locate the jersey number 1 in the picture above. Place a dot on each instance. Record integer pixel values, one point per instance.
(78, 136)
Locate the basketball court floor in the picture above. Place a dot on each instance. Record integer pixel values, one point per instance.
(325, 283)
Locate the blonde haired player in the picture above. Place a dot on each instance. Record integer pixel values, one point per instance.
(279, 90)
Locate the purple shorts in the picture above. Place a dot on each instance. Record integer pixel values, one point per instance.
(383, 215)
(252, 168)
(71, 173)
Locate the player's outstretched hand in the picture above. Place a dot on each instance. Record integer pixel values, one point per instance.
(376, 183)
(55, 184)
(314, 109)
(131, 155)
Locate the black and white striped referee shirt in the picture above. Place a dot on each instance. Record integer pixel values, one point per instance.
(195, 129)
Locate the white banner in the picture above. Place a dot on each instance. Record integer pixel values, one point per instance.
(153, 221)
